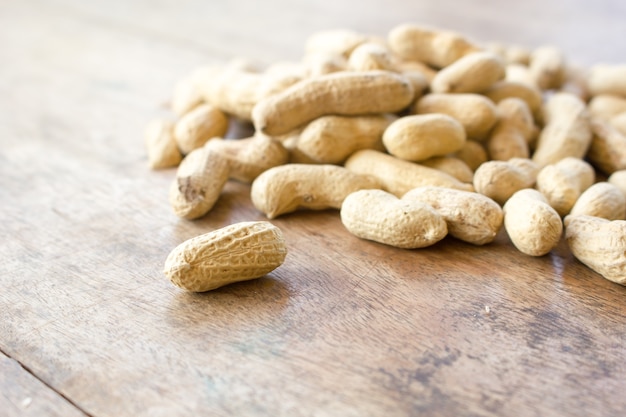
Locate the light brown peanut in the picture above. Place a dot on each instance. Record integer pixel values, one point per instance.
(514, 89)
(512, 132)
(343, 93)
(419, 137)
(618, 179)
(198, 126)
(200, 178)
(472, 153)
(600, 244)
(605, 106)
(382, 217)
(160, 144)
(607, 150)
(398, 176)
(619, 122)
(547, 67)
(602, 199)
(238, 252)
(370, 56)
(287, 188)
(475, 112)
(450, 165)
(470, 217)
(563, 182)
(533, 226)
(607, 79)
(499, 180)
(566, 131)
(472, 73)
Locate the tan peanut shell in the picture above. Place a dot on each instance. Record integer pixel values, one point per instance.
(382, 217)
(547, 67)
(344, 93)
(287, 188)
(499, 180)
(398, 176)
(248, 158)
(563, 182)
(334, 42)
(419, 137)
(533, 226)
(434, 47)
(566, 131)
(470, 217)
(602, 199)
(600, 244)
(472, 153)
(198, 126)
(607, 79)
(514, 89)
(607, 150)
(618, 179)
(370, 56)
(472, 73)
(619, 122)
(199, 181)
(450, 165)
(606, 106)
(187, 94)
(238, 252)
(519, 73)
(331, 139)
(160, 144)
(475, 112)
(512, 132)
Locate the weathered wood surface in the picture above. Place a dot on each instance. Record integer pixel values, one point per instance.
(345, 327)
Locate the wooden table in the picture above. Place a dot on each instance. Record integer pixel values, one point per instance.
(90, 326)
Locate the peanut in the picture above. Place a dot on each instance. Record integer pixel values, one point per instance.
(533, 226)
(566, 132)
(499, 180)
(419, 137)
(199, 125)
(470, 217)
(563, 182)
(514, 89)
(513, 131)
(331, 139)
(342, 93)
(608, 79)
(600, 244)
(619, 122)
(434, 47)
(398, 176)
(161, 146)
(519, 73)
(547, 67)
(602, 199)
(475, 112)
(618, 179)
(450, 165)
(334, 42)
(473, 73)
(238, 252)
(287, 188)
(472, 153)
(248, 158)
(200, 178)
(605, 106)
(370, 56)
(382, 217)
(607, 150)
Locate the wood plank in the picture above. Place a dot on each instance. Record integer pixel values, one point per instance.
(344, 327)
(23, 395)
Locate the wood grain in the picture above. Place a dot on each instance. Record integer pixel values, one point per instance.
(345, 327)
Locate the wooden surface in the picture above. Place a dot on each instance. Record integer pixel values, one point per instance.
(89, 325)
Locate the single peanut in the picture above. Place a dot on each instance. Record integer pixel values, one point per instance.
(160, 144)
(370, 56)
(419, 137)
(600, 244)
(475, 112)
(343, 93)
(472, 73)
(607, 150)
(547, 67)
(605, 106)
(398, 176)
(602, 199)
(619, 122)
(607, 79)
(499, 180)
(533, 226)
(513, 131)
(563, 182)
(198, 126)
(287, 188)
(239, 252)
(470, 217)
(382, 217)
(472, 153)
(514, 89)
(618, 179)
(452, 166)
(200, 178)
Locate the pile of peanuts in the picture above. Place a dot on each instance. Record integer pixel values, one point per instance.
(413, 137)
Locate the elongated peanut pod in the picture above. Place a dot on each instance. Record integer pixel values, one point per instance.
(514, 89)
(533, 226)
(239, 252)
(547, 67)
(608, 79)
(160, 144)
(287, 188)
(607, 151)
(562, 183)
(473, 73)
(515, 127)
(499, 180)
(382, 217)
(198, 126)
(343, 93)
(603, 200)
(470, 216)
(600, 244)
(399, 176)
